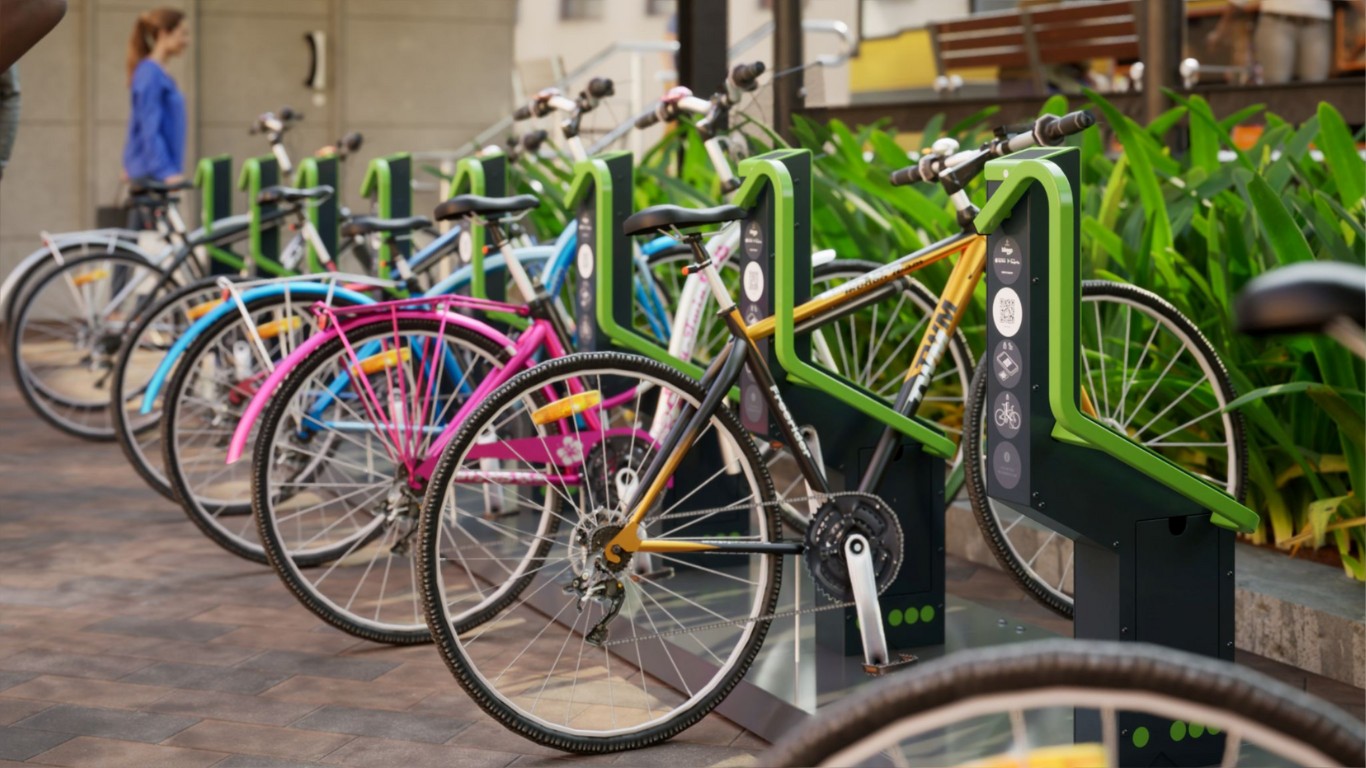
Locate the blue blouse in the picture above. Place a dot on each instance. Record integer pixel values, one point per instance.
(156, 126)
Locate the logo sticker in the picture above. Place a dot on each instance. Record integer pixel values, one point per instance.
(1006, 312)
(754, 281)
(466, 246)
(586, 260)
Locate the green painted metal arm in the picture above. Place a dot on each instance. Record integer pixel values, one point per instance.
(204, 174)
(768, 170)
(304, 177)
(593, 173)
(1073, 426)
(250, 182)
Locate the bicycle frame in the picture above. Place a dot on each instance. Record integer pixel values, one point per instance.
(724, 373)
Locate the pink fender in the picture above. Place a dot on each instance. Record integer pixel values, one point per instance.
(268, 387)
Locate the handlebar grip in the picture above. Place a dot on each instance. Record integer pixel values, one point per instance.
(908, 175)
(351, 142)
(523, 113)
(286, 115)
(745, 75)
(648, 119)
(600, 87)
(532, 141)
(1073, 122)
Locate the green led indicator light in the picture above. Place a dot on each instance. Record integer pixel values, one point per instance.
(1213, 731)
(1178, 730)
(927, 613)
(911, 615)
(894, 618)
(1140, 737)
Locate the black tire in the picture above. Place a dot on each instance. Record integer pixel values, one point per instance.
(987, 520)
(1073, 664)
(445, 634)
(46, 403)
(125, 432)
(176, 480)
(271, 422)
(36, 271)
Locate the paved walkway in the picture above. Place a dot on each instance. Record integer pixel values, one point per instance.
(127, 638)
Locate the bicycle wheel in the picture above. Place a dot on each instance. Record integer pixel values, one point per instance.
(68, 332)
(202, 402)
(1150, 375)
(335, 475)
(142, 351)
(1008, 704)
(595, 657)
(22, 283)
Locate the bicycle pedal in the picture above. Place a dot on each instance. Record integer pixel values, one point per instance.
(878, 670)
(655, 575)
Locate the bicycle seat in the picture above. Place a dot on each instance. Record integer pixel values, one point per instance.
(488, 207)
(659, 218)
(1302, 298)
(280, 193)
(154, 187)
(365, 225)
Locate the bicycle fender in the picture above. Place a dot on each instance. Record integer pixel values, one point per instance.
(303, 290)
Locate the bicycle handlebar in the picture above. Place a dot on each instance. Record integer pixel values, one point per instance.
(600, 88)
(956, 170)
(745, 76)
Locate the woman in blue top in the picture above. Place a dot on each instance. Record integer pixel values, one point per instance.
(156, 126)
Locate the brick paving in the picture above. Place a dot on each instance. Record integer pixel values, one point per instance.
(127, 638)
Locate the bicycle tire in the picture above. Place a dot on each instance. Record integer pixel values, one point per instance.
(446, 636)
(39, 269)
(1073, 664)
(176, 479)
(42, 402)
(282, 561)
(987, 520)
(125, 433)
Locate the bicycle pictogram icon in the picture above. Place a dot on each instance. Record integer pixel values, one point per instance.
(1008, 415)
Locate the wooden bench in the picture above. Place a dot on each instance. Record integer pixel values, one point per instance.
(1033, 38)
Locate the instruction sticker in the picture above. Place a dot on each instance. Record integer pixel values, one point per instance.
(1006, 363)
(754, 281)
(1006, 465)
(1006, 312)
(1007, 261)
(1007, 414)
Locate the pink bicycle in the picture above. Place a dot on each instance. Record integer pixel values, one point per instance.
(354, 420)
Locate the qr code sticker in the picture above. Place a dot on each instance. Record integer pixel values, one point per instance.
(1006, 312)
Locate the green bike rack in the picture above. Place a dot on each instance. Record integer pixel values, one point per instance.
(775, 267)
(1153, 543)
(389, 182)
(264, 238)
(213, 178)
(601, 196)
(326, 216)
(485, 174)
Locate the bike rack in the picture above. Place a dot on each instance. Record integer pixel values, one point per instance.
(264, 240)
(213, 178)
(775, 266)
(389, 183)
(485, 174)
(1154, 560)
(326, 215)
(601, 196)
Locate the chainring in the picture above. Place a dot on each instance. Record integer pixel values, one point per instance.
(837, 520)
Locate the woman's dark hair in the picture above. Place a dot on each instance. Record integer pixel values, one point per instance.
(146, 30)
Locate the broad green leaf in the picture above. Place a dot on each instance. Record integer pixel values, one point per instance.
(1056, 105)
(1227, 124)
(969, 123)
(1149, 191)
(1165, 122)
(1277, 225)
(1340, 154)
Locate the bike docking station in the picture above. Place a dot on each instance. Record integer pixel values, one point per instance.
(263, 241)
(601, 195)
(213, 179)
(326, 215)
(846, 424)
(388, 184)
(1154, 543)
(486, 174)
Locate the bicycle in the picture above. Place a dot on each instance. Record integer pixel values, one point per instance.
(72, 322)
(1074, 702)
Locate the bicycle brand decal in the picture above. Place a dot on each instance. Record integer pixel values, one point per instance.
(791, 422)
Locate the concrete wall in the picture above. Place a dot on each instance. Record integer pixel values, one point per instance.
(409, 74)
